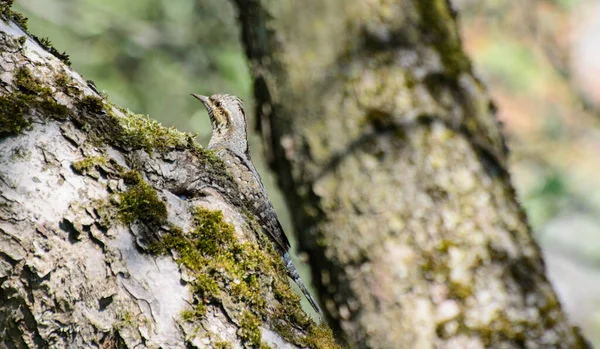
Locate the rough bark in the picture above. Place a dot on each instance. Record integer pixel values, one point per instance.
(394, 167)
(110, 235)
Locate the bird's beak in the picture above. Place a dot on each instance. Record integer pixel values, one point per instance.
(202, 99)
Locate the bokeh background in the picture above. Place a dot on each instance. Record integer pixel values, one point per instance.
(540, 60)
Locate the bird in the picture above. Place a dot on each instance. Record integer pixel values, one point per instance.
(229, 141)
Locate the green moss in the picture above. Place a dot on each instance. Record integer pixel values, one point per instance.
(31, 95)
(321, 337)
(5, 5)
(410, 80)
(62, 81)
(106, 212)
(12, 115)
(129, 130)
(91, 104)
(212, 250)
(53, 109)
(126, 319)
(212, 233)
(22, 40)
(460, 291)
(47, 45)
(433, 264)
(223, 267)
(140, 131)
(19, 18)
(141, 202)
(125, 129)
(249, 328)
(132, 177)
(439, 25)
(222, 345)
(27, 84)
(444, 246)
(190, 315)
(88, 164)
(65, 84)
(38, 96)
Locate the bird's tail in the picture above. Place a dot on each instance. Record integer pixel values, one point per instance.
(293, 274)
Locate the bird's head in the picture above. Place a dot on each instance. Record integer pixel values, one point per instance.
(225, 111)
(228, 120)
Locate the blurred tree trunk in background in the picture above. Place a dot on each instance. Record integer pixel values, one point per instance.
(394, 168)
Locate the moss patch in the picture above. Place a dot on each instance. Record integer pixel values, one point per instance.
(249, 329)
(91, 104)
(7, 13)
(438, 21)
(31, 94)
(222, 345)
(15, 106)
(65, 84)
(27, 84)
(89, 165)
(47, 45)
(37, 95)
(129, 130)
(321, 336)
(12, 115)
(141, 202)
(240, 274)
(131, 177)
(135, 131)
(140, 131)
(21, 20)
(217, 258)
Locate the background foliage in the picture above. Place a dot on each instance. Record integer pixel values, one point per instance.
(537, 57)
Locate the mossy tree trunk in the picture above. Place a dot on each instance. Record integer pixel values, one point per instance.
(394, 167)
(116, 232)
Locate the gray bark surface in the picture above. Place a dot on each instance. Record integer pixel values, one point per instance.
(394, 168)
(71, 274)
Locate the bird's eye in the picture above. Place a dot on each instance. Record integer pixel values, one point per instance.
(218, 104)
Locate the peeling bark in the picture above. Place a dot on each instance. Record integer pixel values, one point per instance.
(394, 167)
(88, 193)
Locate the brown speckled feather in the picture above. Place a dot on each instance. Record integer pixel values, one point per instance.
(252, 188)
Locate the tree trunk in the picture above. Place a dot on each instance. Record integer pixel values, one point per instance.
(116, 232)
(394, 167)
